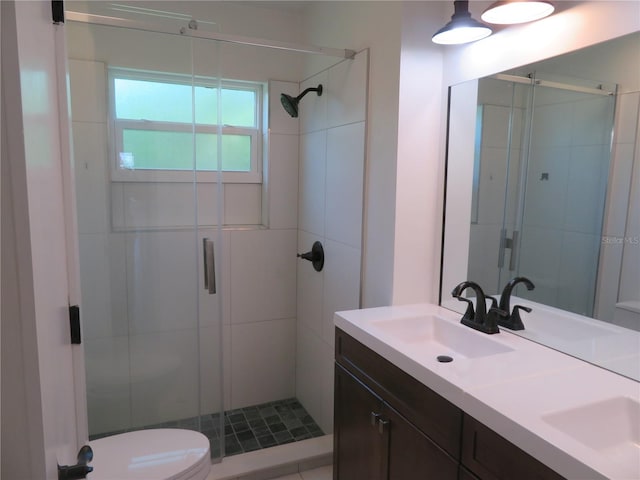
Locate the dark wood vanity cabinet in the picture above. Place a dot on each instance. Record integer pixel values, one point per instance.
(377, 443)
(387, 425)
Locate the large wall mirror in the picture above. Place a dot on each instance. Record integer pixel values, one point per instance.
(543, 181)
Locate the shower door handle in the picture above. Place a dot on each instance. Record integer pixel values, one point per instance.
(510, 243)
(209, 266)
(514, 250)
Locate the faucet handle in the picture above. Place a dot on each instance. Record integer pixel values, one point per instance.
(470, 313)
(514, 322)
(515, 316)
(494, 302)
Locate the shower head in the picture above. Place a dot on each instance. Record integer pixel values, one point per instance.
(290, 103)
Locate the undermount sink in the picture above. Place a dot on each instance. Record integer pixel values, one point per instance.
(441, 336)
(612, 429)
(566, 329)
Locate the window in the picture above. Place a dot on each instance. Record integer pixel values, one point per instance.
(152, 114)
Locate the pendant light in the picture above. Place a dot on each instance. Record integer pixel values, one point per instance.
(462, 28)
(508, 12)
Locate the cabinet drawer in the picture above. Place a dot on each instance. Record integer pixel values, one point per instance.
(435, 416)
(491, 457)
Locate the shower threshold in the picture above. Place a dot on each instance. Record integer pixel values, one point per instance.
(250, 428)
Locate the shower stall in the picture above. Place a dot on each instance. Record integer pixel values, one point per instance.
(195, 191)
(542, 156)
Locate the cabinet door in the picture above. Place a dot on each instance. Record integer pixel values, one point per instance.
(412, 455)
(492, 457)
(358, 443)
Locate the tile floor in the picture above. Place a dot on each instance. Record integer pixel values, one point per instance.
(322, 473)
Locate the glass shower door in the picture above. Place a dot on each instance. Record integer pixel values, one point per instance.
(563, 191)
(141, 244)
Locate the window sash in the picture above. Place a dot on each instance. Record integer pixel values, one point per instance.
(119, 173)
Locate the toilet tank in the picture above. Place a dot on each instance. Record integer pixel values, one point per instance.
(627, 314)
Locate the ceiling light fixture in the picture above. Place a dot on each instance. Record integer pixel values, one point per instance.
(462, 28)
(508, 12)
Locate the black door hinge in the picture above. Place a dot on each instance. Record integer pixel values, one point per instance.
(57, 11)
(74, 323)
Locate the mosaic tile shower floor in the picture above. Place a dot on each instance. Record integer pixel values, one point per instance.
(251, 428)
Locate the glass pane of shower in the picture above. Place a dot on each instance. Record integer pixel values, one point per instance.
(564, 189)
(501, 129)
(141, 250)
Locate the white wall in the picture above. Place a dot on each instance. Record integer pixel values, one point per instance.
(22, 431)
(44, 420)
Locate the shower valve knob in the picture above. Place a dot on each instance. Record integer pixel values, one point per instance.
(315, 256)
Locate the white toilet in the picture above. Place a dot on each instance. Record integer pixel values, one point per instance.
(157, 454)
(627, 314)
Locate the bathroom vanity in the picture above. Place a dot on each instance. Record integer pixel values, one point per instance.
(497, 407)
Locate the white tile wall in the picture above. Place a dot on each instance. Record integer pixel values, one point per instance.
(544, 250)
(546, 199)
(630, 275)
(493, 175)
(552, 124)
(344, 184)
(162, 280)
(330, 210)
(102, 276)
(577, 272)
(88, 82)
(263, 275)
(90, 157)
(626, 117)
(586, 124)
(586, 188)
(242, 204)
(346, 92)
(312, 109)
(312, 181)
(108, 392)
(283, 181)
(310, 286)
(211, 369)
(164, 376)
(620, 184)
(341, 284)
(495, 126)
(484, 242)
(262, 361)
(309, 361)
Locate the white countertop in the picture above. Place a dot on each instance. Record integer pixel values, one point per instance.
(510, 392)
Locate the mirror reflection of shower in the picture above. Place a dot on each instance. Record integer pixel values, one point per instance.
(290, 103)
(540, 179)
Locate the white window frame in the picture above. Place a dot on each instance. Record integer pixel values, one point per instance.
(117, 126)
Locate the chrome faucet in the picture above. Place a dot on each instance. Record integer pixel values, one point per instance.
(513, 321)
(478, 319)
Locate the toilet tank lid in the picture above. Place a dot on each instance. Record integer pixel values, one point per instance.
(154, 454)
(630, 305)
